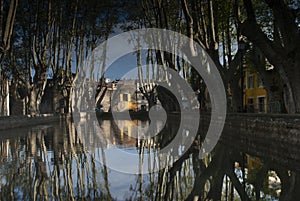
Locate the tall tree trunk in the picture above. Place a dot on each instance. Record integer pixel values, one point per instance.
(6, 26)
(4, 98)
(283, 52)
(40, 49)
(6, 30)
(35, 97)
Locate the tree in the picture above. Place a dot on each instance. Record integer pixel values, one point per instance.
(7, 20)
(209, 31)
(50, 43)
(280, 44)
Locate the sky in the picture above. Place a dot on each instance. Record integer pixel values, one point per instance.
(123, 64)
(128, 62)
(120, 67)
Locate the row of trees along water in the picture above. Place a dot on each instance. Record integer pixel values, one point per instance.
(51, 39)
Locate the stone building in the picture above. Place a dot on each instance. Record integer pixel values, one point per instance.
(123, 95)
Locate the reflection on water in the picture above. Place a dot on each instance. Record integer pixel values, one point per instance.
(53, 163)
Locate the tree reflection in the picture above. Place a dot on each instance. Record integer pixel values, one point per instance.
(223, 175)
(52, 162)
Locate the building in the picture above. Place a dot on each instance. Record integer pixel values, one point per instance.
(124, 95)
(255, 95)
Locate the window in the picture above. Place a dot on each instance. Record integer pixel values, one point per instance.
(261, 104)
(250, 82)
(250, 105)
(125, 97)
(259, 81)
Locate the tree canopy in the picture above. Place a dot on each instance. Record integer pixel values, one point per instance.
(49, 39)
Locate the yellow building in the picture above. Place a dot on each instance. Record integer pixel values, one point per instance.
(130, 97)
(255, 95)
(126, 103)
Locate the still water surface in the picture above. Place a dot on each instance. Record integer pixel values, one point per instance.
(59, 162)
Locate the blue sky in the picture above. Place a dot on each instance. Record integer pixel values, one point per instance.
(121, 67)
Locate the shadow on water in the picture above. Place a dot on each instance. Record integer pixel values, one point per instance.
(52, 162)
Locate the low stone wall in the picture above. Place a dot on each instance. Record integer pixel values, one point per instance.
(275, 137)
(17, 121)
